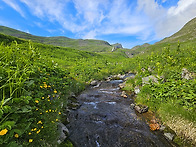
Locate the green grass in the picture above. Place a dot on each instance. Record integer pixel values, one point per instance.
(36, 79)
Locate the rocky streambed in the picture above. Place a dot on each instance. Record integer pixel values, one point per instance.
(105, 119)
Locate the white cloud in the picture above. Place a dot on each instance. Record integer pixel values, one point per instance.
(90, 35)
(167, 21)
(146, 19)
(15, 6)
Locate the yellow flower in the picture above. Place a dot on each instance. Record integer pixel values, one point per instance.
(29, 133)
(38, 131)
(41, 86)
(3, 132)
(56, 119)
(45, 86)
(36, 101)
(50, 110)
(34, 129)
(30, 140)
(48, 100)
(46, 111)
(59, 113)
(16, 135)
(42, 98)
(49, 86)
(44, 82)
(55, 91)
(39, 122)
(36, 109)
(42, 127)
(41, 113)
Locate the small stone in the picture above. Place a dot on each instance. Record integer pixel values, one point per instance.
(154, 126)
(162, 128)
(94, 83)
(138, 109)
(132, 106)
(122, 85)
(169, 136)
(137, 90)
(124, 94)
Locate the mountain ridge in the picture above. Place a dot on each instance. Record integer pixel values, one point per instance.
(81, 44)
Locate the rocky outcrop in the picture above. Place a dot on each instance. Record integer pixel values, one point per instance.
(116, 46)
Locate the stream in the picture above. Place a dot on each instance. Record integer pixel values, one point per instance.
(105, 119)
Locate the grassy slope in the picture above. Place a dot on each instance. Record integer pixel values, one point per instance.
(188, 32)
(186, 36)
(88, 44)
(36, 79)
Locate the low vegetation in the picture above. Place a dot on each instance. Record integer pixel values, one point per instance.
(36, 81)
(174, 93)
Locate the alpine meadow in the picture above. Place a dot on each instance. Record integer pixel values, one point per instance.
(41, 78)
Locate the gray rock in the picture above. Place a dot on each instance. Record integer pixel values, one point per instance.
(162, 128)
(146, 80)
(137, 90)
(132, 106)
(63, 132)
(130, 77)
(169, 136)
(94, 83)
(186, 74)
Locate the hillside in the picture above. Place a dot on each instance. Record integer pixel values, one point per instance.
(186, 36)
(86, 44)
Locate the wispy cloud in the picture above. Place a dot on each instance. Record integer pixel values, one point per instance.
(15, 6)
(168, 21)
(145, 19)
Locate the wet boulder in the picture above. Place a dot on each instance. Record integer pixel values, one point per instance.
(141, 108)
(63, 132)
(170, 136)
(132, 105)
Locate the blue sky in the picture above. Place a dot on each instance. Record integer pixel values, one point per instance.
(129, 22)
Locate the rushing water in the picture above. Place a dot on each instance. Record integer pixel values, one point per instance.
(105, 119)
